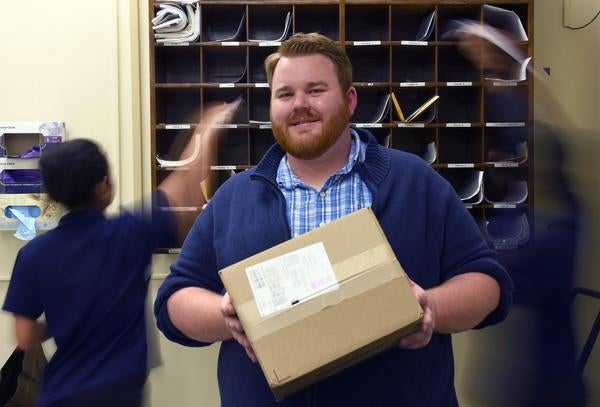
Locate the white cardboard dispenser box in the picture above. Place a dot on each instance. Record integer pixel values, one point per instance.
(324, 301)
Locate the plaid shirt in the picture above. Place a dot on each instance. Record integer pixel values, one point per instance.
(343, 193)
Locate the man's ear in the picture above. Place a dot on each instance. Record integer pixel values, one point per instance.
(351, 99)
(103, 191)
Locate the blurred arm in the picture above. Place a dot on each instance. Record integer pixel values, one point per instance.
(185, 187)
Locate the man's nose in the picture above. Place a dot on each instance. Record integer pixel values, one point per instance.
(300, 101)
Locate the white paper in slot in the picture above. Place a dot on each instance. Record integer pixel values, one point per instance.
(471, 187)
(519, 155)
(430, 153)
(516, 193)
(506, 20)
(283, 36)
(426, 28)
(191, 31)
(508, 229)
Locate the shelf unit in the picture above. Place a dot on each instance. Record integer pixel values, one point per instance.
(477, 121)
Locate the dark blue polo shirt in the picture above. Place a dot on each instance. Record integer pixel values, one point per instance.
(89, 276)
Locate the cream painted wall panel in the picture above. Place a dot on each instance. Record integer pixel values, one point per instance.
(60, 64)
(187, 376)
(574, 59)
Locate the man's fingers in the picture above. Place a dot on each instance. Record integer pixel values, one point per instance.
(245, 343)
(234, 324)
(227, 308)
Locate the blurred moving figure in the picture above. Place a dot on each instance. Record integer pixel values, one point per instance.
(530, 360)
(85, 282)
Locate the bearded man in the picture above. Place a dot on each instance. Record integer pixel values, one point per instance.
(321, 169)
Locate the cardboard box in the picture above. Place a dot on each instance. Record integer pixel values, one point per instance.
(322, 302)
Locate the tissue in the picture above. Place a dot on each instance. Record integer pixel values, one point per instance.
(26, 216)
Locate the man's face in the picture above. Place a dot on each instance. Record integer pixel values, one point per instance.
(308, 111)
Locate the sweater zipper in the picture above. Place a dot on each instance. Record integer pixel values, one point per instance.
(282, 205)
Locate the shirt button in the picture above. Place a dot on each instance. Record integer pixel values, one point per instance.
(322, 194)
(322, 224)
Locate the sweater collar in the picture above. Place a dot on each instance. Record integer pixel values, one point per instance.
(377, 159)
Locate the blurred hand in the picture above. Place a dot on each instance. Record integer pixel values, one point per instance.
(422, 336)
(219, 113)
(474, 45)
(235, 326)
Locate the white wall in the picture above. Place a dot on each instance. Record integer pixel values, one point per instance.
(79, 62)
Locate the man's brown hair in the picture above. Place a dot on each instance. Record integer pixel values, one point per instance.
(312, 43)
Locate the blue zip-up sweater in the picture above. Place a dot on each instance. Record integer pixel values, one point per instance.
(430, 231)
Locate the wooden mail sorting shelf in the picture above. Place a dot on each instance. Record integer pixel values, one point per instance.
(481, 120)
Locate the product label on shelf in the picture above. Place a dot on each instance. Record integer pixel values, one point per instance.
(411, 84)
(269, 44)
(369, 125)
(226, 126)
(507, 83)
(226, 85)
(230, 44)
(264, 126)
(223, 167)
(261, 85)
(417, 43)
(414, 125)
(176, 44)
(505, 124)
(366, 43)
(504, 206)
(461, 165)
(459, 83)
(458, 124)
(177, 126)
(506, 164)
(505, 247)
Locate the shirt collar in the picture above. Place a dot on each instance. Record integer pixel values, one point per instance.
(81, 217)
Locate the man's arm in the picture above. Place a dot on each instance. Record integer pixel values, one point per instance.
(463, 301)
(197, 314)
(29, 332)
(456, 305)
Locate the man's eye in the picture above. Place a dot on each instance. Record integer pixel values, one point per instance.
(286, 95)
(316, 91)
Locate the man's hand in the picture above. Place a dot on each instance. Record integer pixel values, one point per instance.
(422, 336)
(234, 325)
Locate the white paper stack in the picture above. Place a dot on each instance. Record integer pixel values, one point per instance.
(176, 22)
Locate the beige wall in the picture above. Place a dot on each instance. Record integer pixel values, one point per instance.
(92, 73)
(57, 68)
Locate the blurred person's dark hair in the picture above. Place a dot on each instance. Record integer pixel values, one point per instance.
(71, 170)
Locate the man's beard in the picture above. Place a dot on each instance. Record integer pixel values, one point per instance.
(308, 148)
